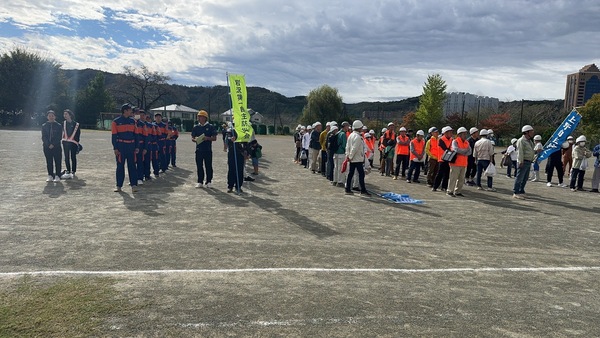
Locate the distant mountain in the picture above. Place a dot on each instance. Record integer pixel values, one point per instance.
(271, 104)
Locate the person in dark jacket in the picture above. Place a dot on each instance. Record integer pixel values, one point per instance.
(70, 142)
(51, 138)
(236, 152)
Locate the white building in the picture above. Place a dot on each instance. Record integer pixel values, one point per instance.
(459, 102)
(176, 110)
(255, 117)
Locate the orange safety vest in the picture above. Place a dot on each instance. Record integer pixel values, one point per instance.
(381, 145)
(419, 147)
(402, 149)
(447, 142)
(370, 142)
(434, 148)
(461, 160)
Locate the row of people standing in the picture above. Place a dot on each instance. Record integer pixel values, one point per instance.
(142, 145)
(58, 138)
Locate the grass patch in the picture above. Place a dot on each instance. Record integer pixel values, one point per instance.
(71, 307)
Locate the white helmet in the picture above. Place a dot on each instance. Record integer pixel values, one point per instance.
(372, 131)
(526, 128)
(461, 130)
(357, 124)
(333, 123)
(383, 130)
(420, 132)
(537, 138)
(432, 129)
(473, 130)
(402, 129)
(513, 141)
(483, 132)
(581, 139)
(446, 129)
(316, 124)
(490, 131)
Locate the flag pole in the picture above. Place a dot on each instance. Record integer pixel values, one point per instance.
(237, 174)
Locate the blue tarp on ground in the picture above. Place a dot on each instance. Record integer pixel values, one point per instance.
(398, 198)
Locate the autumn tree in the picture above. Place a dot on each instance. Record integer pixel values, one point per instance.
(431, 102)
(322, 104)
(499, 123)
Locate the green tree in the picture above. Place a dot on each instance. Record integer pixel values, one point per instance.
(590, 118)
(322, 104)
(93, 100)
(29, 83)
(431, 103)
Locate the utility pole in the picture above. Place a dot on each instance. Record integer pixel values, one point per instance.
(478, 106)
(521, 119)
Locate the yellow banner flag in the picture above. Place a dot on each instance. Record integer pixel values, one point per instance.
(239, 102)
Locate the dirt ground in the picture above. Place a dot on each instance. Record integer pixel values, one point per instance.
(294, 256)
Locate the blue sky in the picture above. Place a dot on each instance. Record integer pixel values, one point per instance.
(369, 50)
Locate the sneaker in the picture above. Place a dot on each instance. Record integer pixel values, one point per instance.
(594, 190)
(408, 181)
(459, 194)
(66, 175)
(518, 196)
(549, 184)
(117, 189)
(349, 192)
(356, 189)
(229, 190)
(562, 185)
(208, 185)
(365, 193)
(508, 176)
(56, 179)
(450, 194)
(395, 178)
(140, 182)
(581, 189)
(434, 189)
(248, 179)
(479, 188)
(573, 189)
(199, 185)
(534, 179)
(134, 188)
(49, 179)
(416, 181)
(490, 189)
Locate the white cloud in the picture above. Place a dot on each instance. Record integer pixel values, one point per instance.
(368, 50)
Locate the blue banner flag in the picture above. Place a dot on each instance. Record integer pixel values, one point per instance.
(560, 135)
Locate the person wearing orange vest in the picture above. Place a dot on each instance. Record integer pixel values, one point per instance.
(459, 167)
(370, 142)
(417, 157)
(444, 143)
(402, 152)
(432, 151)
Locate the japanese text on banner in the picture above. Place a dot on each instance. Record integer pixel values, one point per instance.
(560, 135)
(239, 102)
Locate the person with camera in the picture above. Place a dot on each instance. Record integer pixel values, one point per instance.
(203, 134)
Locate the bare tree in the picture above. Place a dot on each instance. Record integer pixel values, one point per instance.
(142, 87)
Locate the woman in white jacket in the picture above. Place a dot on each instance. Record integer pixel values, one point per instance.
(355, 153)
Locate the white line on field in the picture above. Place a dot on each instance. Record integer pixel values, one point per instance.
(308, 270)
(291, 322)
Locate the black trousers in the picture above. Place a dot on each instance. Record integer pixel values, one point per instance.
(359, 166)
(235, 172)
(471, 168)
(550, 171)
(401, 160)
(204, 160)
(70, 150)
(53, 160)
(442, 176)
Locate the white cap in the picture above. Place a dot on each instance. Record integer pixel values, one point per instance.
(483, 132)
(402, 129)
(432, 129)
(537, 138)
(357, 124)
(570, 137)
(526, 128)
(446, 129)
(390, 124)
(383, 130)
(461, 130)
(581, 139)
(420, 132)
(473, 130)
(513, 141)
